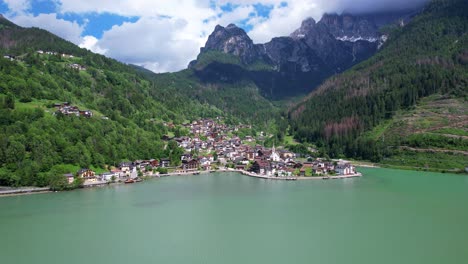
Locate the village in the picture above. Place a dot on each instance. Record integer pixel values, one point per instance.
(74, 66)
(213, 146)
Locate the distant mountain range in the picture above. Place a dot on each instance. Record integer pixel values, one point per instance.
(294, 65)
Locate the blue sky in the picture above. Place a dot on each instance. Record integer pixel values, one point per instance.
(101, 26)
(95, 24)
(165, 35)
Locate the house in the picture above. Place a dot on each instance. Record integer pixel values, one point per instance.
(191, 165)
(345, 168)
(205, 161)
(70, 177)
(287, 155)
(118, 173)
(251, 155)
(244, 161)
(126, 168)
(86, 113)
(87, 174)
(77, 67)
(261, 167)
(186, 157)
(285, 172)
(133, 173)
(318, 170)
(164, 163)
(154, 163)
(109, 176)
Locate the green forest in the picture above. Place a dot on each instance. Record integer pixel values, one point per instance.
(426, 57)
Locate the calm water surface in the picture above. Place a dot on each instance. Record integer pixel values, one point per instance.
(387, 216)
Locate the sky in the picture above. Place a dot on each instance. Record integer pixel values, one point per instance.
(165, 35)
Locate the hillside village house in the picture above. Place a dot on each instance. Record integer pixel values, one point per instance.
(128, 170)
(165, 163)
(345, 168)
(87, 174)
(70, 177)
(108, 176)
(191, 165)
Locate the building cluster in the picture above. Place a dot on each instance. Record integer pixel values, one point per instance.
(55, 53)
(68, 110)
(213, 145)
(125, 170)
(213, 138)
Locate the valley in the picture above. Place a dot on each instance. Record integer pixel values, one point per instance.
(390, 88)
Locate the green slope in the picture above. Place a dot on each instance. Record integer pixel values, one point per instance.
(35, 143)
(130, 106)
(349, 113)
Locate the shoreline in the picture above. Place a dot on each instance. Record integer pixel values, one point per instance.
(27, 191)
(24, 191)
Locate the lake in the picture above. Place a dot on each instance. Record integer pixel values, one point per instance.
(386, 216)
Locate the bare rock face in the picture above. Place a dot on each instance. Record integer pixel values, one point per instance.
(304, 59)
(232, 40)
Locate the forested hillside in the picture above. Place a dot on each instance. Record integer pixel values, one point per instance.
(348, 114)
(38, 70)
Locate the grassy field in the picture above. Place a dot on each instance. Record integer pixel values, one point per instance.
(289, 140)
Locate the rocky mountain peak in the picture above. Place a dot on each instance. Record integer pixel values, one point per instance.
(313, 52)
(308, 23)
(306, 27)
(231, 40)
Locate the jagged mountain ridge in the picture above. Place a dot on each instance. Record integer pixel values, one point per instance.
(296, 64)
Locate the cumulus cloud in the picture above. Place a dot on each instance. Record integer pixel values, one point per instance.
(364, 6)
(17, 6)
(69, 30)
(168, 34)
(175, 8)
(91, 43)
(285, 18)
(160, 44)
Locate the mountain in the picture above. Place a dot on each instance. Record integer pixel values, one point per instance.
(406, 105)
(293, 65)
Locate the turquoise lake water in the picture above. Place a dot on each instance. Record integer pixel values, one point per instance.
(387, 216)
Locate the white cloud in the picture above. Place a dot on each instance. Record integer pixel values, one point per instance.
(284, 19)
(17, 6)
(68, 30)
(91, 43)
(163, 43)
(173, 8)
(160, 44)
(169, 34)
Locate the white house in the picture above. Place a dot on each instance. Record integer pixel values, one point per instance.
(345, 168)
